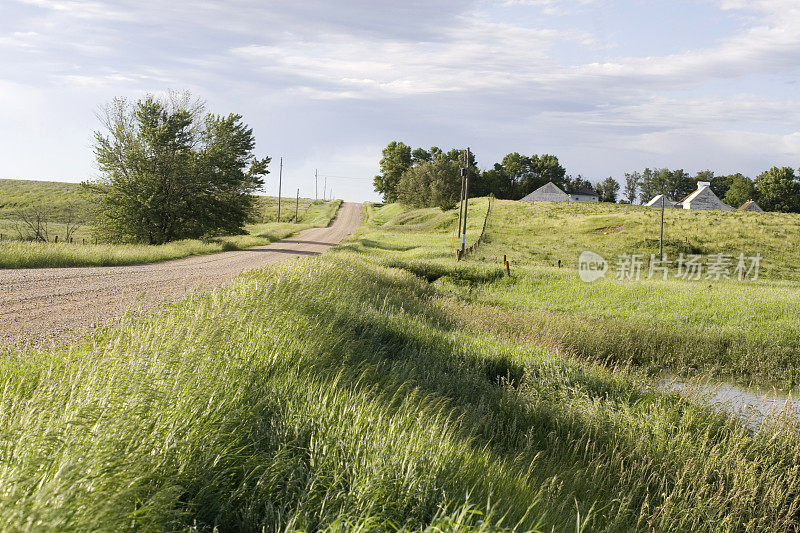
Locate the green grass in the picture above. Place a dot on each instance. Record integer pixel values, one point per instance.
(541, 233)
(85, 251)
(745, 331)
(57, 197)
(277, 403)
(381, 386)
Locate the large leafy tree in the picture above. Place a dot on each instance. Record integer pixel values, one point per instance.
(431, 184)
(740, 190)
(779, 190)
(575, 184)
(396, 159)
(633, 180)
(647, 186)
(608, 190)
(170, 171)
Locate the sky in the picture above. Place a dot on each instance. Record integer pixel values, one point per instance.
(608, 86)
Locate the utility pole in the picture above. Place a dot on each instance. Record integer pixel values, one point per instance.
(325, 189)
(316, 189)
(296, 205)
(466, 204)
(661, 240)
(280, 180)
(461, 201)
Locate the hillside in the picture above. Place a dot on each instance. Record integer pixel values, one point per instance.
(57, 197)
(542, 233)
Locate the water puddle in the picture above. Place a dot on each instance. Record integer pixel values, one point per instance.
(752, 405)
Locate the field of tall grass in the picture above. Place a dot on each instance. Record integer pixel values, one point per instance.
(745, 331)
(279, 403)
(86, 251)
(381, 386)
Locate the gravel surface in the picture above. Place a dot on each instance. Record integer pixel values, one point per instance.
(40, 306)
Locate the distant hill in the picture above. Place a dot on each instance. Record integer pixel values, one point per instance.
(56, 197)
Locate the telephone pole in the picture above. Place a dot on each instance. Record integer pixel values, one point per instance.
(466, 204)
(325, 190)
(661, 240)
(280, 179)
(316, 187)
(296, 205)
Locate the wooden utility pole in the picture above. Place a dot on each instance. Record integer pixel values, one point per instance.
(461, 202)
(466, 204)
(296, 205)
(280, 180)
(661, 239)
(316, 185)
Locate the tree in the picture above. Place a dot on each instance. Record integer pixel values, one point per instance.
(576, 184)
(740, 191)
(171, 171)
(632, 183)
(647, 187)
(420, 155)
(436, 183)
(493, 181)
(543, 170)
(607, 190)
(779, 190)
(396, 160)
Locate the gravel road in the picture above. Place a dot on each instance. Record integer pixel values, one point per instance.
(39, 306)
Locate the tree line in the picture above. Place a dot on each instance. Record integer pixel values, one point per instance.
(432, 178)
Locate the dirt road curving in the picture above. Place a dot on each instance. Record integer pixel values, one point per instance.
(41, 305)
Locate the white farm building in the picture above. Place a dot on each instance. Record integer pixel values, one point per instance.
(551, 193)
(656, 201)
(547, 193)
(703, 198)
(750, 205)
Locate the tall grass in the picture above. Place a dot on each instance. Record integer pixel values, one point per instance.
(28, 254)
(369, 389)
(275, 403)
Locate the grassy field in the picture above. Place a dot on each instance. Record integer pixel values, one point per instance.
(746, 331)
(278, 404)
(86, 251)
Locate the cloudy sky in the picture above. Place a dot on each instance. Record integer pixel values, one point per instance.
(607, 86)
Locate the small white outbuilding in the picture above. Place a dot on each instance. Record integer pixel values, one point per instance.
(750, 205)
(656, 201)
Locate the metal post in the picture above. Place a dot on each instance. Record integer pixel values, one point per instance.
(296, 205)
(466, 206)
(280, 180)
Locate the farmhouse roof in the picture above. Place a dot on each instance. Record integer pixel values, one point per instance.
(586, 191)
(656, 201)
(705, 197)
(548, 192)
(750, 205)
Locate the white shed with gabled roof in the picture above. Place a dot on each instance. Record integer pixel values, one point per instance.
(703, 198)
(656, 201)
(547, 193)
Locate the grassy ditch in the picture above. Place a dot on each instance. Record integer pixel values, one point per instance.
(355, 392)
